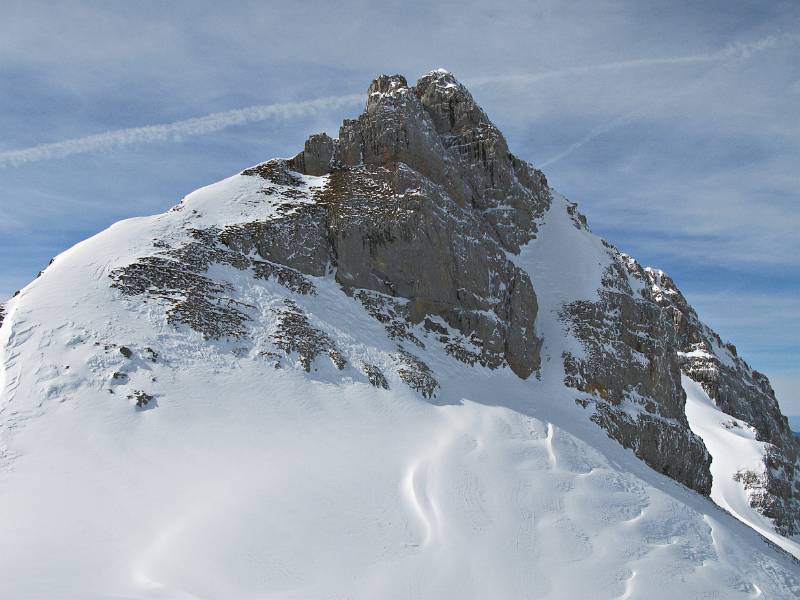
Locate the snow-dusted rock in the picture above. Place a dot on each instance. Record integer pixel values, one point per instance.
(772, 485)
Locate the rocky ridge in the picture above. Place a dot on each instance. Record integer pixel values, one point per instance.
(422, 201)
(631, 375)
(743, 393)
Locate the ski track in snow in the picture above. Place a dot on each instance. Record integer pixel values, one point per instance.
(253, 482)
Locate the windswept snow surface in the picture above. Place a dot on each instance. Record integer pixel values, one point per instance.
(246, 481)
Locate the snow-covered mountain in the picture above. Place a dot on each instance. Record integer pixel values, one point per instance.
(396, 365)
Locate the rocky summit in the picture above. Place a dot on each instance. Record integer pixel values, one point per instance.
(404, 337)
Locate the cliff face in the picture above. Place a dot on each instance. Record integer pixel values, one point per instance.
(630, 373)
(467, 264)
(423, 202)
(744, 394)
(639, 339)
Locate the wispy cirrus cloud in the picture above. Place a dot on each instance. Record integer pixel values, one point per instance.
(594, 133)
(730, 52)
(175, 131)
(737, 51)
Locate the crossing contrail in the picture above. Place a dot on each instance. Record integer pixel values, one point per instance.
(730, 52)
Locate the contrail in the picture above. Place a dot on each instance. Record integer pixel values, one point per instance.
(174, 131)
(596, 132)
(742, 51)
(730, 52)
(221, 120)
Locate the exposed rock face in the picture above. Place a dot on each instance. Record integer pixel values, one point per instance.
(416, 374)
(638, 339)
(423, 201)
(421, 204)
(141, 399)
(177, 275)
(316, 157)
(744, 394)
(375, 376)
(437, 130)
(295, 334)
(631, 375)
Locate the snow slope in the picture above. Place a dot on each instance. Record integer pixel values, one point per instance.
(734, 448)
(245, 481)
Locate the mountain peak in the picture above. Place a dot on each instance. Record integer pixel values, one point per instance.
(449, 103)
(437, 130)
(442, 78)
(386, 83)
(410, 121)
(432, 147)
(403, 338)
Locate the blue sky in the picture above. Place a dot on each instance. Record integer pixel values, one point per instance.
(675, 125)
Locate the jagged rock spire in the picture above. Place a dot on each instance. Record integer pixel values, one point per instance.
(449, 103)
(437, 129)
(382, 86)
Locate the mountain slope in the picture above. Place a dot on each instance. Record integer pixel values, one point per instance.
(397, 365)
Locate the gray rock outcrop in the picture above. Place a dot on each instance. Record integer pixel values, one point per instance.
(422, 202)
(631, 376)
(639, 338)
(743, 393)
